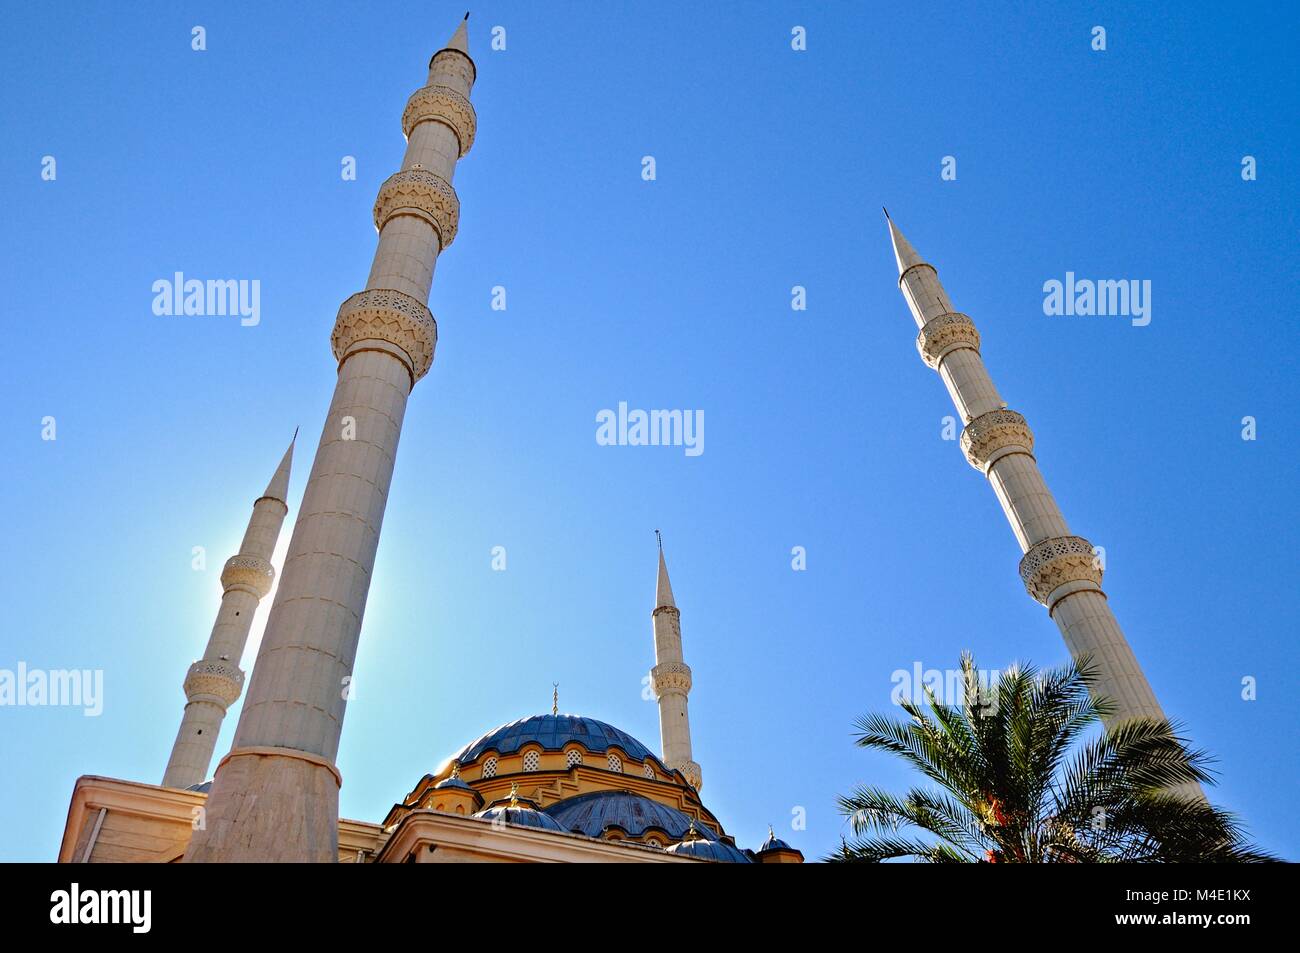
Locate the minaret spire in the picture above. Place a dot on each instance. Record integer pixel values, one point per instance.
(670, 679)
(214, 682)
(460, 39)
(278, 488)
(904, 253)
(275, 795)
(1059, 569)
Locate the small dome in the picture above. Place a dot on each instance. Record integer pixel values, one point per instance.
(774, 843)
(714, 850)
(203, 787)
(453, 783)
(520, 816)
(453, 780)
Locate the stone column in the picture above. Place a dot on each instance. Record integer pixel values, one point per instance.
(670, 680)
(214, 682)
(1059, 569)
(275, 796)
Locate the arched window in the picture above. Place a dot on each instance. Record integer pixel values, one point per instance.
(572, 757)
(653, 842)
(532, 761)
(615, 763)
(490, 768)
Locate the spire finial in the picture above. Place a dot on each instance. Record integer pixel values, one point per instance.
(555, 698)
(691, 832)
(660, 540)
(886, 211)
(771, 833)
(514, 793)
(904, 253)
(455, 770)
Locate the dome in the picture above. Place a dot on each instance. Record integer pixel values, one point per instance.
(595, 811)
(709, 850)
(453, 783)
(453, 780)
(553, 732)
(520, 816)
(774, 843)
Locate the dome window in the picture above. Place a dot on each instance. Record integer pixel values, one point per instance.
(649, 770)
(532, 761)
(615, 763)
(573, 757)
(490, 768)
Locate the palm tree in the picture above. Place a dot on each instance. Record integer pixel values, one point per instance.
(1018, 782)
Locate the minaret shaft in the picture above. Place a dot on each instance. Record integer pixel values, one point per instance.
(670, 680)
(1060, 570)
(214, 682)
(275, 796)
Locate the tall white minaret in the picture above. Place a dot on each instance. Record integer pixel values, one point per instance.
(275, 795)
(670, 680)
(214, 682)
(1059, 569)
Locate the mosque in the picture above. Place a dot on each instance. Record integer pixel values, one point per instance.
(547, 788)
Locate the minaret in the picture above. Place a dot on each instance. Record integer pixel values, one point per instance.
(214, 682)
(670, 680)
(275, 796)
(1060, 570)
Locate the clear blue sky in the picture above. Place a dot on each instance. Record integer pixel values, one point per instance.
(822, 427)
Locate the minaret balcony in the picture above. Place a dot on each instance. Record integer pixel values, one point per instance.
(383, 314)
(249, 573)
(214, 680)
(670, 678)
(1057, 562)
(418, 191)
(442, 104)
(945, 333)
(988, 435)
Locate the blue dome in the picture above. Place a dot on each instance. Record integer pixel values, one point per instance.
(520, 817)
(774, 843)
(553, 732)
(709, 850)
(592, 813)
(453, 783)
